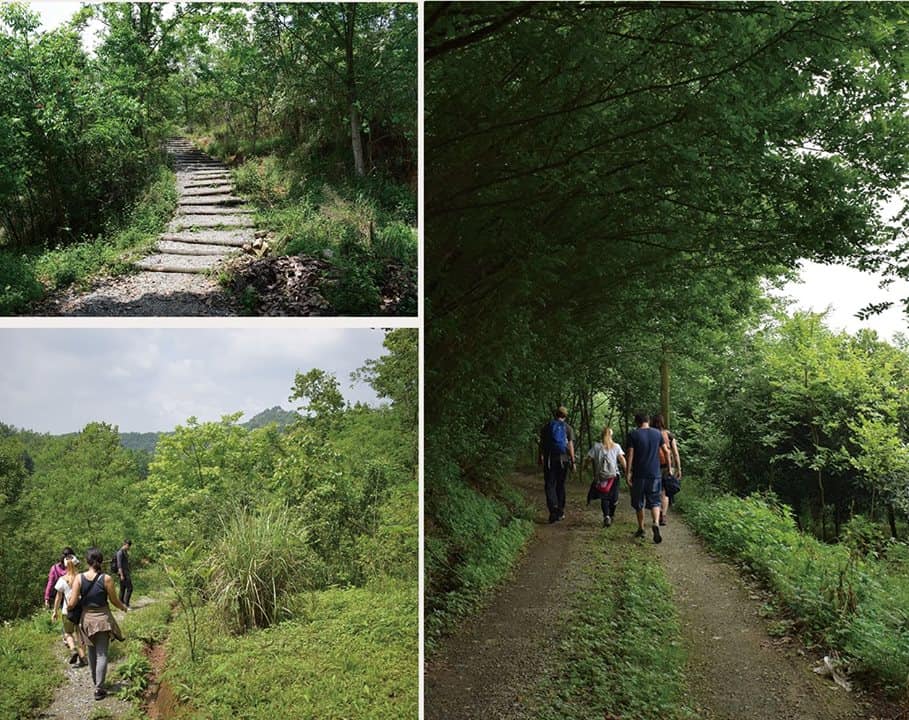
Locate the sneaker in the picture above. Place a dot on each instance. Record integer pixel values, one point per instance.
(82, 662)
(561, 516)
(607, 520)
(657, 538)
(553, 518)
(100, 693)
(73, 658)
(639, 533)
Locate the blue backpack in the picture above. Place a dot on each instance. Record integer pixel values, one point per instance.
(558, 437)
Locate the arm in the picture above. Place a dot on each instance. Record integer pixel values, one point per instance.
(629, 465)
(75, 594)
(623, 463)
(571, 450)
(57, 601)
(112, 594)
(48, 589)
(120, 564)
(678, 462)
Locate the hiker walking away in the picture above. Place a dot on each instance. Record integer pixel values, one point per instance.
(93, 589)
(670, 465)
(556, 457)
(644, 477)
(606, 457)
(57, 571)
(120, 565)
(64, 588)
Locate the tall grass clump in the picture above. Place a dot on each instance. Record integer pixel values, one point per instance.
(260, 560)
(848, 596)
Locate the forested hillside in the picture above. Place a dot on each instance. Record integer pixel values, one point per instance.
(308, 531)
(314, 106)
(608, 190)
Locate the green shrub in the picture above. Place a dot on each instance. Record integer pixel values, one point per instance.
(260, 560)
(29, 669)
(18, 285)
(397, 241)
(348, 653)
(851, 603)
(470, 551)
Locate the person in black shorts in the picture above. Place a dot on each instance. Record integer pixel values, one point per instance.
(644, 478)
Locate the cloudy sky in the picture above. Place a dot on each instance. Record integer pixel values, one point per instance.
(58, 379)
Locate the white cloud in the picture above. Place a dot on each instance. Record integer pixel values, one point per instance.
(57, 380)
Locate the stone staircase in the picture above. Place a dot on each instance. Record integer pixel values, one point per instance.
(210, 223)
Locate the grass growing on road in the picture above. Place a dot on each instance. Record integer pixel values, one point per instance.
(850, 597)
(621, 654)
(27, 277)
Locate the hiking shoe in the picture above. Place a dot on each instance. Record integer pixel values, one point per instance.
(657, 538)
(100, 693)
(639, 533)
(73, 658)
(607, 520)
(561, 516)
(82, 662)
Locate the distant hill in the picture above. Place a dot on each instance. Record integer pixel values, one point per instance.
(148, 440)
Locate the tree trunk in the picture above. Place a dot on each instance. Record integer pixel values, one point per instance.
(664, 387)
(350, 15)
(891, 518)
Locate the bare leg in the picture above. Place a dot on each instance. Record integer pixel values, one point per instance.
(641, 519)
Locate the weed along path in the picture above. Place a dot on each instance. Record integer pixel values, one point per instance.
(494, 664)
(210, 224)
(74, 699)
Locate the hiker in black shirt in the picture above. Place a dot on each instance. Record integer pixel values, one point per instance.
(126, 581)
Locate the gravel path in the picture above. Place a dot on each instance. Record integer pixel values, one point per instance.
(210, 225)
(489, 667)
(74, 700)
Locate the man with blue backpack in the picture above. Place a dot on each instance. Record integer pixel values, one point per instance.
(556, 457)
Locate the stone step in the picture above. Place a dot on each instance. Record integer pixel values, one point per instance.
(195, 184)
(178, 263)
(190, 221)
(212, 190)
(214, 210)
(228, 238)
(225, 200)
(170, 247)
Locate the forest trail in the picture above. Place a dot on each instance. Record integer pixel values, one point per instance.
(489, 667)
(210, 224)
(74, 699)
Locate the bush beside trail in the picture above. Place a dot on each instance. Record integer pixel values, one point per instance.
(849, 599)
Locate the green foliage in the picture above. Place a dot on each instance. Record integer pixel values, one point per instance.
(607, 664)
(473, 543)
(258, 562)
(850, 602)
(28, 276)
(134, 672)
(28, 666)
(321, 391)
(348, 653)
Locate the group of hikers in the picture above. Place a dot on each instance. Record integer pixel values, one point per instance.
(84, 599)
(652, 467)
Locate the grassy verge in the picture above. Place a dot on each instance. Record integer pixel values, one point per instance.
(845, 596)
(27, 277)
(364, 227)
(143, 627)
(28, 667)
(621, 655)
(471, 545)
(348, 653)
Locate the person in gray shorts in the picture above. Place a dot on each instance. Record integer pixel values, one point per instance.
(644, 477)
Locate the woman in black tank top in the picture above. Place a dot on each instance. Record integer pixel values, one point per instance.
(95, 590)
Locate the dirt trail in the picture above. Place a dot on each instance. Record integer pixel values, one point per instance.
(210, 224)
(489, 667)
(74, 699)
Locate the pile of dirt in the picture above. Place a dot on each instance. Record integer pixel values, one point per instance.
(286, 285)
